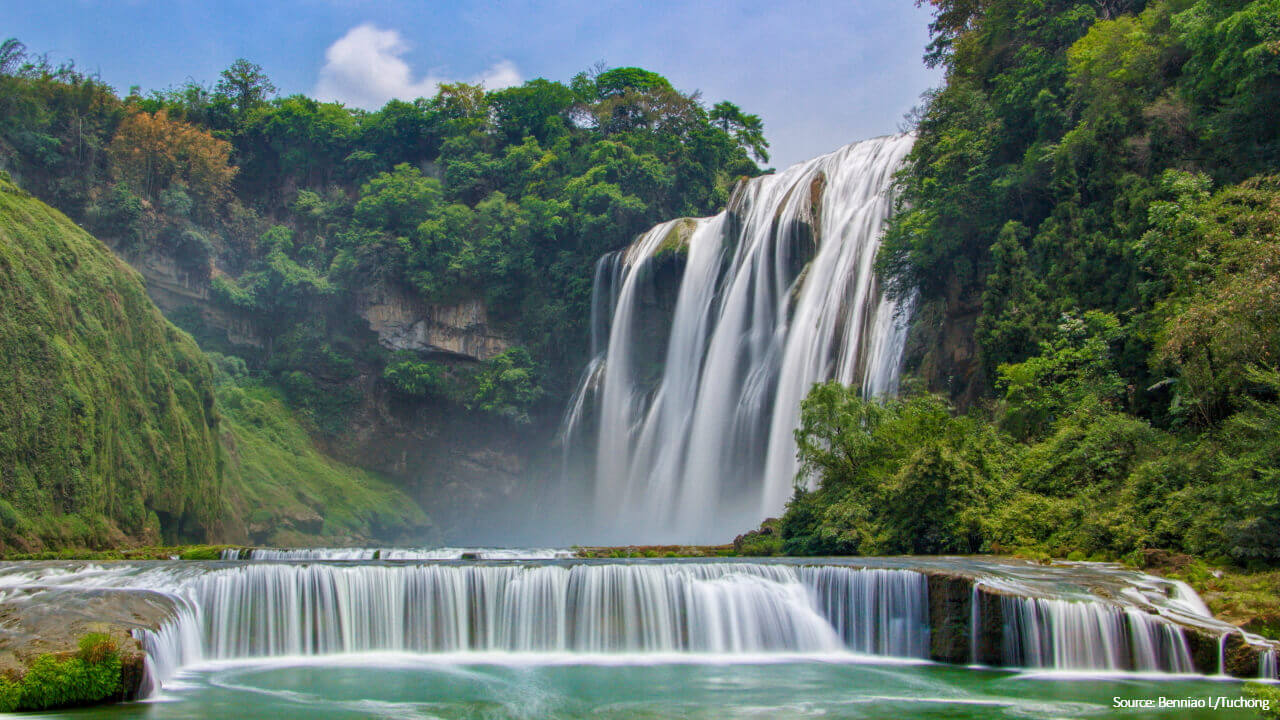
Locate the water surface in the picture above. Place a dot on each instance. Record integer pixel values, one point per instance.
(564, 687)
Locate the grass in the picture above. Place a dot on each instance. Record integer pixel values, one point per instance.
(150, 552)
(656, 551)
(114, 434)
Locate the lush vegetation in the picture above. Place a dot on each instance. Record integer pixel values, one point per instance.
(282, 490)
(90, 675)
(109, 429)
(117, 430)
(1094, 195)
(289, 208)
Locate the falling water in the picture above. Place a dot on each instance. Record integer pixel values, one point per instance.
(263, 609)
(1267, 666)
(358, 554)
(694, 438)
(1049, 617)
(1071, 635)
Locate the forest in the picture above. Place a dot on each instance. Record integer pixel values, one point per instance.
(277, 211)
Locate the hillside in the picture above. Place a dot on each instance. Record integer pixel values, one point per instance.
(112, 431)
(109, 429)
(1088, 230)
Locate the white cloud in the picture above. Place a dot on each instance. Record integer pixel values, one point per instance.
(500, 75)
(364, 69)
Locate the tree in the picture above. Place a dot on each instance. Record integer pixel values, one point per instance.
(12, 56)
(1074, 365)
(398, 201)
(746, 130)
(507, 386)
(896, 476)
(538, 108)
(246, 85)
(1225, 322)
(151, 153)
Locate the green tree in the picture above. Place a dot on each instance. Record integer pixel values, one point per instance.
(246, 85)
(507, 386)
(747, 130)
(1077, 363)
(397, 201)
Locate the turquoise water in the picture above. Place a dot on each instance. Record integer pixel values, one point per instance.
(416, 686)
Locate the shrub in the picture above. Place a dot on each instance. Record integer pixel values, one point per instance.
(89, 676)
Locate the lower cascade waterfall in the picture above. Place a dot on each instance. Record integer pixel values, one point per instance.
(695, 390)
(590, 611)
(269, 609)
(1067, 635)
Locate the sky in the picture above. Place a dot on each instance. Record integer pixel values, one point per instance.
(820, 73)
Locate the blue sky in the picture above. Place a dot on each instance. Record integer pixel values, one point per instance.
(820, 74)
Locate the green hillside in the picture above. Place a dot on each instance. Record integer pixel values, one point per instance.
(110, 427)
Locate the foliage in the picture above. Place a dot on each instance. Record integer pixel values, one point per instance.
(109, 418)
(287, 488)
(91, 675)
(1265, 693)
(156, 155)
(1060, 200)
(762, 542)
(506, 197)
(507, 386)
(1075, 364)
(415, 378)
(1038, 166)
(1222, 316)
(902, 476)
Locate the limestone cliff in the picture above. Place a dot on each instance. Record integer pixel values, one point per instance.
(403, 322)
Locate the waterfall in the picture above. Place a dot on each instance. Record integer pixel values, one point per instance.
(1072, 635)
(264, 609)
(1267, 666)
(877, 612)
(694, 423)
(360, 554)
(1082, 617)
(177, 643)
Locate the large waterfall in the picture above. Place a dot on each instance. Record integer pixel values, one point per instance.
(695, 388)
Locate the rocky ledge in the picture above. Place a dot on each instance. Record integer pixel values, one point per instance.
(50, 622)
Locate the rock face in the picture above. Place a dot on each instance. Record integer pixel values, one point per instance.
(941, 347)
(459, 466)
(456, 464)
(950, 607)
(174, 289)
(402, 322)
(39, 621)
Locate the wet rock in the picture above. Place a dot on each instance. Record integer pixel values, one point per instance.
(950, 608)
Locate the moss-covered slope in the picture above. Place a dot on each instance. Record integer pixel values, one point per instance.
(107, 412)
(281, 490)
(113, 431)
